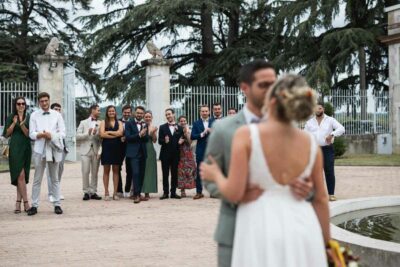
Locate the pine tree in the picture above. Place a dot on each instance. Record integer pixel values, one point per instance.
(329, 56)
(25, 29)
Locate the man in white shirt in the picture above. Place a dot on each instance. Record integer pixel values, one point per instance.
(47, 129)
(88, 134)
(325, 129)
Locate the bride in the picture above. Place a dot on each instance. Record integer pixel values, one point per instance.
(277, 229)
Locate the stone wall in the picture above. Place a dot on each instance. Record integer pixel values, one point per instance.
(361, 144)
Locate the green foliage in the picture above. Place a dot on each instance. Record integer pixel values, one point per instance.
(329, 110)
(339, 146)
(26, 28)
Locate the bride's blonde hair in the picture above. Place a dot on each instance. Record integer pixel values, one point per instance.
(295, 100)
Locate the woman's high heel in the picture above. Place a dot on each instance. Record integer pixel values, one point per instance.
(26, 209)
(16, 211)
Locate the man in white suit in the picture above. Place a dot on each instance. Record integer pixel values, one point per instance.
(47, 129)
(88, 134)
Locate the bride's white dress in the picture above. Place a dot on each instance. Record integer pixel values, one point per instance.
(276, 230)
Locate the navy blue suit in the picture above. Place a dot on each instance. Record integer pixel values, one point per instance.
(136, 153)
(128, 181)
(197, 129)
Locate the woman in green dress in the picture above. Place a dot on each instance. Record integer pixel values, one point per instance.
(17, 129)
(150, 173)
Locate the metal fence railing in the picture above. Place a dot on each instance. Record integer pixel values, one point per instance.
(367, 113)
(186, 100)
(9, 91)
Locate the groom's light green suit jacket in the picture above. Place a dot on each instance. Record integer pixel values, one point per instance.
(219, 146)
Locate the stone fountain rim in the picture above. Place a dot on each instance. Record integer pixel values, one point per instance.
(350, 205)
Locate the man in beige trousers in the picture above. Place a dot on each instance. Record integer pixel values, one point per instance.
(88, 134)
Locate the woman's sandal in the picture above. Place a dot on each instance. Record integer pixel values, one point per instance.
(17, 211)
(26, 209)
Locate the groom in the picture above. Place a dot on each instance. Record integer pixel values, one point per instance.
(255, 78)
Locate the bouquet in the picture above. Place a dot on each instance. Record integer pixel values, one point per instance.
(340, 256)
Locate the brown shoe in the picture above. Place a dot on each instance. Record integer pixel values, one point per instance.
(332, 198)
(142, 198)
(136, 200)
(198, 196)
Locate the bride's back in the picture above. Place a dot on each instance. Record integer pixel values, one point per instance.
(286, 151)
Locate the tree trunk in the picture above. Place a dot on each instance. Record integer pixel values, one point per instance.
(206, 36)
(363, 86)
(233, 35)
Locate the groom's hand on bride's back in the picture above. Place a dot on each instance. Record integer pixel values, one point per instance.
(302, 188)
(252, 193)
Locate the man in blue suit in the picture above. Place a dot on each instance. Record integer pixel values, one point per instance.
(200, 131)
(136, 135)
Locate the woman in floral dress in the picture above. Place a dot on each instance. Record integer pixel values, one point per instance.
(187, 164)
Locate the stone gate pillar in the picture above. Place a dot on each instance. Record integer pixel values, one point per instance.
(393, 41)
(51, 76)
(157, 88)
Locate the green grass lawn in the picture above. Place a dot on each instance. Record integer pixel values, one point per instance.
(368, 160)
(3, 166)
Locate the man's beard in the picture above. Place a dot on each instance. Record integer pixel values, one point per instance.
(319, 114)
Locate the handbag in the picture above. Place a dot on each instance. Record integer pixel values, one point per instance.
(6, 151)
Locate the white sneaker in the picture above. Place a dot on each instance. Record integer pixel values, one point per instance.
(61, 197)
(126, 195)
(51, 199)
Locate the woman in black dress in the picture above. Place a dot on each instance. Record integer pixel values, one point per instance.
(111, 131)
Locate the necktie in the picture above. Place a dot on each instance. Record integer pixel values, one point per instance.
(94, 119)
(255, 120)
(171, 124)
(46, 113)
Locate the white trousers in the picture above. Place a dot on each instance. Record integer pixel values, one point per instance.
(90, 166)
(40, 166)
(60, 172)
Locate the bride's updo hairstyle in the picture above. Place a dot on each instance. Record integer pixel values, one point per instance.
(295, 100)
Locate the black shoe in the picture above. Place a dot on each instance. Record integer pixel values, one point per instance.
(86, 196)
(95, 196)
(32, 211)
(164, 196)
(175, 196)
(58, 210)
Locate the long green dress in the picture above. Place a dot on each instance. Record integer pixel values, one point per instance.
(20, 150)
(150, 173)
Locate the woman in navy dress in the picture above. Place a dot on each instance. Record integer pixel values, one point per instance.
(111, 131)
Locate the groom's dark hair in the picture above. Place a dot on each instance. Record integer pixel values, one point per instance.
(246, 73)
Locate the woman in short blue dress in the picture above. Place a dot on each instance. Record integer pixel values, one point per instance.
(111, 131)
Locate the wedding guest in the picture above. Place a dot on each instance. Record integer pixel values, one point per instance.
(217, 111)
(269, 229)
(200, 132)
(19, 159)
(232, 111)
(57, 107)
(325, 128)
(111, 131)
(126, 116)
(47, 129)
(150, 174)
(88, 134)
(136, 136)
(168, 137)
(187, 164)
